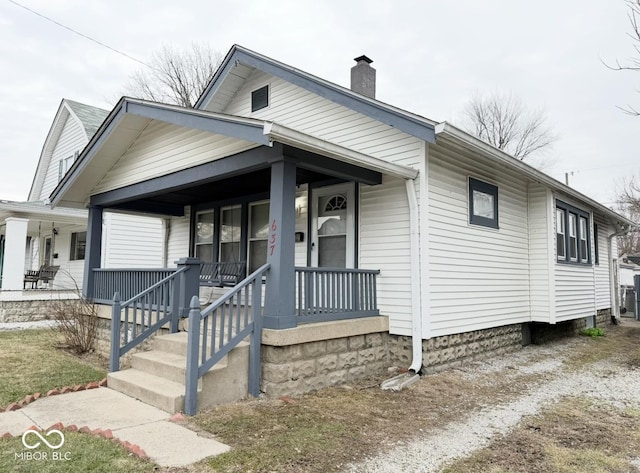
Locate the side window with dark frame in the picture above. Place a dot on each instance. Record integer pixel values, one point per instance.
(573, 242)
(483, 203)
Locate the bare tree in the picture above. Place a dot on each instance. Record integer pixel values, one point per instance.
(633, 63)
(502, 121)
(176, 76)
(629, 205)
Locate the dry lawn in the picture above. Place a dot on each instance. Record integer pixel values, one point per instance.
(326, 430)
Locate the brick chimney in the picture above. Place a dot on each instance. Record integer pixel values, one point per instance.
(363, 77)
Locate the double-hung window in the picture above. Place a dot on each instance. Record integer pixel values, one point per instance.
(230, 231)
(572, 234)
(204, 233)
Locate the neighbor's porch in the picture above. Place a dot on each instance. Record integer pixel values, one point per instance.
(40, 248)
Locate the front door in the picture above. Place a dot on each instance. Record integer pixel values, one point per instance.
(332, 227)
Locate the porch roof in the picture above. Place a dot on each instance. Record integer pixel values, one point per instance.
(37, 210)
(131, 117)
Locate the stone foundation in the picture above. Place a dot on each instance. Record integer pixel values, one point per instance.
(603, 317)
(327, 354)
(29, 310)
(440, 353)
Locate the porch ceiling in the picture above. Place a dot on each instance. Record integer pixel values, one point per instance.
(254, 183)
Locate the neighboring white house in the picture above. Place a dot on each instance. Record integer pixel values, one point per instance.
(276, 165)
(33, 235)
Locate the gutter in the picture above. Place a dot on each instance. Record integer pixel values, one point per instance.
(287, 136)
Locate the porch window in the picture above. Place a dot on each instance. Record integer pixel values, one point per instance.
(78, 245)
(572, 234)
(258, 234)
(483, 204)
(230, 232)
(204, 236)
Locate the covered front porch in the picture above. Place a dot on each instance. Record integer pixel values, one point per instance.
(280, 206)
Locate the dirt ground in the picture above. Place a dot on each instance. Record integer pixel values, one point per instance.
(563, 426)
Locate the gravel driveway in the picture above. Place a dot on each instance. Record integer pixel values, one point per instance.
(616, 384)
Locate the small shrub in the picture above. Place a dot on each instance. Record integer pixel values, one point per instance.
(592, 332)
(78, 322)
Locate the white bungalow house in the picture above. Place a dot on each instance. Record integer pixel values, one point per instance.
(35, 236)
(378, 236)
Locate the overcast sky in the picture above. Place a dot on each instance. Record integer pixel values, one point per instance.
(431, 57)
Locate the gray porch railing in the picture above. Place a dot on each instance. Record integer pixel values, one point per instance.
(324, 294)
(216, 330)
(142, 315)
(127, 282)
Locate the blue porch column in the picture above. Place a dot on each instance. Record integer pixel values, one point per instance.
(93, 251)
(279, 306)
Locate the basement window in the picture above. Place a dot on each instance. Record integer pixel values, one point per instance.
(483, 204)
(260, 98)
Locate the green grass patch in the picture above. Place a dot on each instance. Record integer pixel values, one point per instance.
(79, 454)
(30, 362)
(592, 332)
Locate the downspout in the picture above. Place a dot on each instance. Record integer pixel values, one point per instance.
(613, 286)
(416, 308)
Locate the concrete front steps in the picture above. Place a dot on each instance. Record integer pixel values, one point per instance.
(157, 377)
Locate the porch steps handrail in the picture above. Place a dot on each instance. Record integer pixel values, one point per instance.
(232, 317)
(154, 307)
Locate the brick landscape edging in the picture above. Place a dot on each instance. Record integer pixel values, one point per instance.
(106, 434)
(14, 406)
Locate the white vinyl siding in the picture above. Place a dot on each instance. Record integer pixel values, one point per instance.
(478, 277)
(602, 284)
(574, 291)
(72, 139)
(309, 113)
(384, 244)
(178, 244)
(71, 273)
(164, 148)
(540, 252)
(133, 241)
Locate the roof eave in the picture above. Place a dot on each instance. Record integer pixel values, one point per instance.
(446, 129)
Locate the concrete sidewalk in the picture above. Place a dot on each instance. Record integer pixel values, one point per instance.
(165, 442)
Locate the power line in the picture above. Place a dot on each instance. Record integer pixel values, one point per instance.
(80, 34)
